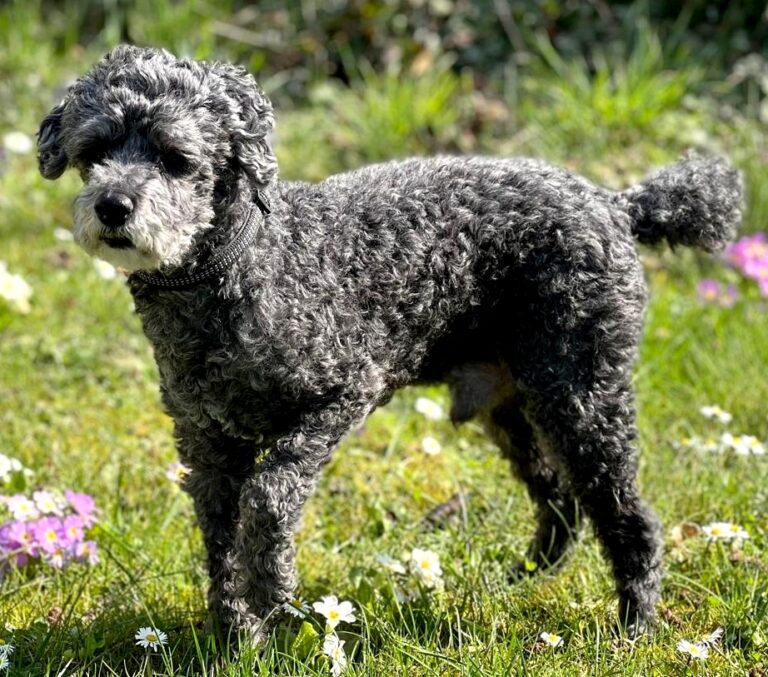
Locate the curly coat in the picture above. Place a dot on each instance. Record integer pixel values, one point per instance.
(516, 283)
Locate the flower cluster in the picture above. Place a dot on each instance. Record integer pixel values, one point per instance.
(712, 291)
(726, 442)
(14, 290)
(749, 255)
(333, 612)
(48, 527)
(724, 531)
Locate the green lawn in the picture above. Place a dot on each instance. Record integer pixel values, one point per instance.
(80, 407)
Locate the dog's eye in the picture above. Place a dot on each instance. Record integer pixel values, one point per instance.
(93, 156)
(175, 163)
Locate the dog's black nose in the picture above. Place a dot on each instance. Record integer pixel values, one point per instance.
(113, 209)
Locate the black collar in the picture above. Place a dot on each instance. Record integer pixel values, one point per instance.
(221, 260)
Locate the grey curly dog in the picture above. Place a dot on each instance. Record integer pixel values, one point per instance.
(281, 314)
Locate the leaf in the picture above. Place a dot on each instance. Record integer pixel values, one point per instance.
(306, 640)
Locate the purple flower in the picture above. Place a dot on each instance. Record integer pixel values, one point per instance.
(48, 534)
(21, 534)
(83, 505)
(59, 557)
(87, 552)
(709, 290)
(73, 529)
(712, 291)
(749, 255)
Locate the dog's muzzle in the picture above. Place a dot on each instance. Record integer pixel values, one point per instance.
(113, 210)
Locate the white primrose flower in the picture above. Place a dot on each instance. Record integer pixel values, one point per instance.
(333, 647)
(335, 612)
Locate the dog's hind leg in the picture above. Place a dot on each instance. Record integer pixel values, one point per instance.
(556, 508)
(592, 435)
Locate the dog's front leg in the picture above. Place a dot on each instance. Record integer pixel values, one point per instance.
(218, 466)
(270, 507)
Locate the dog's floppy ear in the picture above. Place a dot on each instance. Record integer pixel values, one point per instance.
(51, 158)
(250, 125)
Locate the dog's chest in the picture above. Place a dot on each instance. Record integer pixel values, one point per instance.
(212, 372)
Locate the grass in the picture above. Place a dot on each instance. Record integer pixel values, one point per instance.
(81, 408)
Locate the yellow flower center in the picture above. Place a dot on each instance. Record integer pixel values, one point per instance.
(151, 637)
(333, 615)
(51, 536)
(425, 564)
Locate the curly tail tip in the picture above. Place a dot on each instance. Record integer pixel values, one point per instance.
(695, 202)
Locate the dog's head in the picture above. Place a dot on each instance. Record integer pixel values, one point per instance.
(162, 144)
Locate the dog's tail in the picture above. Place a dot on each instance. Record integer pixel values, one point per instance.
(696, 202)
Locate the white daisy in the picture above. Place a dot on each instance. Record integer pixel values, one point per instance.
(693, 649)
(429, 408)
(430, 446)
(4, 662)
(6, 649)
(724, 531)
(106, 270)
(394, 565)
(426, 565)
(18, 142)
(742, 445)
(551, 639)
(333, 647)
(335, 612)
(715, 413)
(297, 607)
(150, 638)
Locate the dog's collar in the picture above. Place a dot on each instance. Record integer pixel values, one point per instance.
(221, 260)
